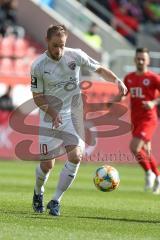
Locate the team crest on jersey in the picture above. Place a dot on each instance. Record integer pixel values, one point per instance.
(129, 80)
(146, 82)
(72, 65)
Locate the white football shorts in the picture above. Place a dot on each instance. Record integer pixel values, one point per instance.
(52, 141)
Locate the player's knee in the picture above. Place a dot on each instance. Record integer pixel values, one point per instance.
(79, 157)
(75, 158)
(46, 166)
(134, 149)
(75, 155)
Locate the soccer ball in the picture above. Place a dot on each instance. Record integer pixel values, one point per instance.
(106, 178)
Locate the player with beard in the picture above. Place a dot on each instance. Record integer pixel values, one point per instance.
(142, 86)
(56, 91)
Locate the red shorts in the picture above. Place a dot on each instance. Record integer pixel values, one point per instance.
(144, 130)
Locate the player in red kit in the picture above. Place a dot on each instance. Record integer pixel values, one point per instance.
(142, 86)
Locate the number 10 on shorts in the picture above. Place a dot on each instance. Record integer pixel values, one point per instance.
(43, 149)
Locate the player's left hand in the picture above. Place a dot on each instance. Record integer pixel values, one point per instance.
(115, 100)
(148, 104)
(122, 87)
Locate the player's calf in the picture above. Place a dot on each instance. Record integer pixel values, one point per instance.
(156, 188)
(149, 180)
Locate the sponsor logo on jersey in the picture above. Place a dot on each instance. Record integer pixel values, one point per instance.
(33, 82)
(47, 72)
(146, 82)
(72, 65)
(67, 85)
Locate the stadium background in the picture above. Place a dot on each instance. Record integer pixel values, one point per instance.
(127, 213)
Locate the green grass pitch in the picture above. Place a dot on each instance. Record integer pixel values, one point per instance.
(86, 213)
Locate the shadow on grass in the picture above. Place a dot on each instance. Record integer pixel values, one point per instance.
(24, 214)
(44, 216)
(119, 219)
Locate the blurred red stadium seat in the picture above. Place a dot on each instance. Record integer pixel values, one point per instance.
(6, 66)
(7, 46)
(20, 47)
(17, 55)
(20, 67)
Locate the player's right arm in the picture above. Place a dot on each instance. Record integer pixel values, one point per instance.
(40, 99)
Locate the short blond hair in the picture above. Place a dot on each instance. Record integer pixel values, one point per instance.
(56, 30)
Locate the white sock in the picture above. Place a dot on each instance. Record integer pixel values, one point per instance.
(41, 179)
(149, 172)
(67, 177)
(158, 179)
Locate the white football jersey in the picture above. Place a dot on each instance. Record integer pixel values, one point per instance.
(60, 79)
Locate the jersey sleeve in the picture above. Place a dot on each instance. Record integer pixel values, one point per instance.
(36, 79)
(125, 81)
(85, 60)
(157, 82)
(126, 84)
